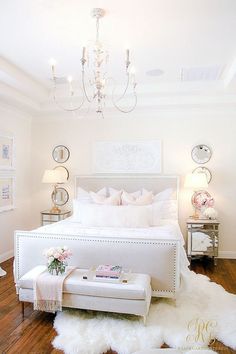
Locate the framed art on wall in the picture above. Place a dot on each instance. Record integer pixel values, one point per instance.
(127, 157)
(7, 197)
(6, 152)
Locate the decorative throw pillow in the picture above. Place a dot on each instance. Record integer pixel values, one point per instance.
(100, 199)
(161, 196)
(77, 205)
(94, 215)
(157, 213)
(84, 196)
(129, 199)
(134, 194)
(167, 209)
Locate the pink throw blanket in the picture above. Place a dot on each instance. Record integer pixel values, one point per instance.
(48, 291)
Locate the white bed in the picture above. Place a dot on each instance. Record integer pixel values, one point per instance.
(157, 251)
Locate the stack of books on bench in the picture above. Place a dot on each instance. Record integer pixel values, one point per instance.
(109, 273)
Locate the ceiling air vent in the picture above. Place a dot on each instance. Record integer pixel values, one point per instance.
(209, 73)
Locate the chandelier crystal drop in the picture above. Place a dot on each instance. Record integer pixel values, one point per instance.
(94, 77)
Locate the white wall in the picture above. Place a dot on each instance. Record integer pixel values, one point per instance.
(19, 125)
(179, 132)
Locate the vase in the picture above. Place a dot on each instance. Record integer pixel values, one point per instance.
(57, 268)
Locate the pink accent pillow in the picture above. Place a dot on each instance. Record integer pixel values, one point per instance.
(100, 199)
(128, 199)
(134, 194)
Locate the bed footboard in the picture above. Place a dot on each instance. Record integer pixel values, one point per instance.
(158, 258)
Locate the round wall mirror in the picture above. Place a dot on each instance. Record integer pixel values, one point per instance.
(204, 170)
(60, 154)
(201, 154)
(64, 171)
(60, 197)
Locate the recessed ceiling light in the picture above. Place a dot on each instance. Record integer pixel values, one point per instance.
(155, 72)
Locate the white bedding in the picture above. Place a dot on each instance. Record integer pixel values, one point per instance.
(169, 229)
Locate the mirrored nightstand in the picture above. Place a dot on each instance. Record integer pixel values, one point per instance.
(203, 238)
(47, 217)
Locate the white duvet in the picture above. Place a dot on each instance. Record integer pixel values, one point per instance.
(169, 229)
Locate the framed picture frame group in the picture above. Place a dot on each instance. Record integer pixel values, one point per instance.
(7, 172)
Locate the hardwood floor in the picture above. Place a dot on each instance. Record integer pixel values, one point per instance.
(34, 333)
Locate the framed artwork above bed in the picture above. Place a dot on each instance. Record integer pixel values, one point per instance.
(127, 157)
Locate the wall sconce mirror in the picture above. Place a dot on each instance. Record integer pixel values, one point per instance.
(60, 196)
(60, 154)
(64, 171)
(201, 154)
(204, 170)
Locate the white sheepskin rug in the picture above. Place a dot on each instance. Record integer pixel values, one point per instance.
(202, 311)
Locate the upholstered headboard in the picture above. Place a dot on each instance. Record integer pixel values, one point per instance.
(155, 183)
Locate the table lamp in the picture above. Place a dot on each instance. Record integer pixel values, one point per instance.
(54, 177)
(197, 182)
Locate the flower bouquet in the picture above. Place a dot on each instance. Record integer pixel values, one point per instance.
(57, 259)
(210, 213)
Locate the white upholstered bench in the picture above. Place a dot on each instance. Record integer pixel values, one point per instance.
(132, 297)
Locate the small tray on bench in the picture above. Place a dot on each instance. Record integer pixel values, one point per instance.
(90, 275)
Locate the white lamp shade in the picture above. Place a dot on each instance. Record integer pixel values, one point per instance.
(53, 177)
(196, 181)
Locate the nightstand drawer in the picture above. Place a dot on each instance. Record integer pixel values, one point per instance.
(47, 217)
(203, 238)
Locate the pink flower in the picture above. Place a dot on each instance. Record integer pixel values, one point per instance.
(210, 202)
(60, 253)
(67, 254)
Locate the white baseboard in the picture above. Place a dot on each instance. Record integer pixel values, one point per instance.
(227, 254)
(5, 256)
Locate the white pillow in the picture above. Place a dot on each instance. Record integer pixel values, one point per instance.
(161, 196)
(128, 199)
(133, 194)
(115, 216)
(112, 200)
(157, 213)
(84, 196)
(168, 207)
(77, 205)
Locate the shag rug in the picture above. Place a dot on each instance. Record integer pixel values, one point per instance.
(202, 311)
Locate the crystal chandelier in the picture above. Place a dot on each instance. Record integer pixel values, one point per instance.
(94, 77)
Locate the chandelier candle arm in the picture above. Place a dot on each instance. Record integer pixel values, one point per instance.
(69, 79)
(83, 55)
(127, 59)
(83, 83)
